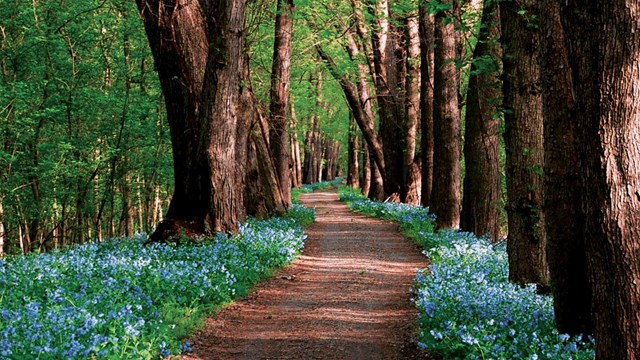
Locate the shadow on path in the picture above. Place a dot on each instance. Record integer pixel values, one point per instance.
(346, 297)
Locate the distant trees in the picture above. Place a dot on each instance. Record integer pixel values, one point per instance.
(84, 150)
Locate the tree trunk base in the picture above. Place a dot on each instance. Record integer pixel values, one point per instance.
(175, 230)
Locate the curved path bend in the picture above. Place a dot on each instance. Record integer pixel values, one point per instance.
(346, 297)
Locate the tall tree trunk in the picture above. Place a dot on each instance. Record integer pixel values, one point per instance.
(278, 108)
(446, 129)
(426, 102)
(412, 106)
(177, 33)
(604, 53)
(523, 143)
(353, 173)
(390, 106)
(481, 200)
(564, 218)
(209, 130)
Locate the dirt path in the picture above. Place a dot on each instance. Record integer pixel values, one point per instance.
(346, 297)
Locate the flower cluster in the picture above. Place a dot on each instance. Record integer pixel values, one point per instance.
(468, 309)
(121, 299)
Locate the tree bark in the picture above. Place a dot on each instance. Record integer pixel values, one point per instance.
(353, 173)
(564, 218)
(390, 106)
(376, 189)
(207, 117)
(523, 143)
(604, 53)
(177, 33)
(412, 107)
(446, 129)
(481, 200)
(426, 28)
(278, 108)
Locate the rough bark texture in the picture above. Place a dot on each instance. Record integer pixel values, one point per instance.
(481, 200)
(426, 102)
(412, 109)
(564, 218)
(262, 195)
(280, 75)
(604, 48)
(209, 109)
(177, 34)
(224, 124)
(446, 129)
(523, 143)
(390, 106)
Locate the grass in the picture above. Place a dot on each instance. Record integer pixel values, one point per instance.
(122, 300)
(467, 307)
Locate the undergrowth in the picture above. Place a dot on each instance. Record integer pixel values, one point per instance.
(467, 307)
(122, 300)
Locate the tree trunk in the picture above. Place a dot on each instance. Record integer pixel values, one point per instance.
(295, 148)
(208, 121)
(523, 143)
(376, 190)
(278, 108)
(446, 120)
(604, 53)
(413, 183)
(564, 218)
(177, 33)
(312, 139)
(353, 174)
(481, 200)
(412, 105)
(362, 117)
(390, 106)
(426, 102)
(365, 183)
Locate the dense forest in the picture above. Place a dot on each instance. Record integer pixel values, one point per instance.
(514, 120)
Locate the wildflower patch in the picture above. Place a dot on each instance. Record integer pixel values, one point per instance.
(467, 307)
(123, 300)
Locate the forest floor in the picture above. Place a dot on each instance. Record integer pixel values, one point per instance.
(345, 297)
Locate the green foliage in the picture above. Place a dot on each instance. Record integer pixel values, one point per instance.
(83, 137)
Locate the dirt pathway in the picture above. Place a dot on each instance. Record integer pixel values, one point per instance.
(346, 297)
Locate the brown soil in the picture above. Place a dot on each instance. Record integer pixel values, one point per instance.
(346, 297)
